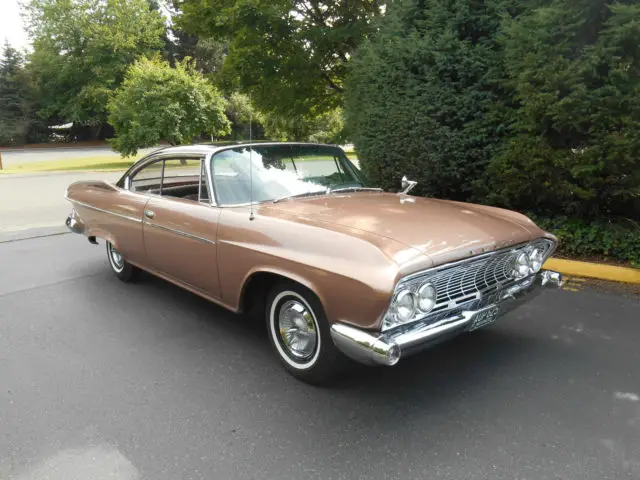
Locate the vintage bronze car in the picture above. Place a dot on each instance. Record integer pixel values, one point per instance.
(293, 232)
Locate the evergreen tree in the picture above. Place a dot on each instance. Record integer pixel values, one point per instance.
(14, 107)
(424, 96)
(574, 67)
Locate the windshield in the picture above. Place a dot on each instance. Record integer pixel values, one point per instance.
(279, 171)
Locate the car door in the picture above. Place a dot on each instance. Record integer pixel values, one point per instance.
(180, 226)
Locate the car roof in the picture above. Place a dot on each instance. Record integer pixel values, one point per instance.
(206, 148)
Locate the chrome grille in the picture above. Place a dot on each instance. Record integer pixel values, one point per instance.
(467, 283)
(472, 279)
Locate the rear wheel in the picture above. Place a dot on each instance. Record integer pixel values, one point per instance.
(123, 269)
(299, 333)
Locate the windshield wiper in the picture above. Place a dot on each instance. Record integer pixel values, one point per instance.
(299, 195)
(355, 189)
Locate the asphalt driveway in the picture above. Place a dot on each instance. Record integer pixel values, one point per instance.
(100, 379)
(34, 204)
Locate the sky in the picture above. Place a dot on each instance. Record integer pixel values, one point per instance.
(11, 24)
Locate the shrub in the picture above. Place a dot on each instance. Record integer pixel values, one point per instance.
(527, 105)
(574, 68)
(608, 239)
(157, 102)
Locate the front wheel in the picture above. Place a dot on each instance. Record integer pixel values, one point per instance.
(123, 269)
(299, 333)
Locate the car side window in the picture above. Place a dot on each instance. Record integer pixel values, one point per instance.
(149, 179)
(173, 177)
(181, 179)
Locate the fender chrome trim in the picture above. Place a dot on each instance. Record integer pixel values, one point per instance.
(179, 232)
(91, 207)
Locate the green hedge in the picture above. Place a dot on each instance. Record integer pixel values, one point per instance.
(531, 106)
(614, 240)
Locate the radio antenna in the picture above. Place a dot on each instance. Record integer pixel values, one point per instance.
(251, 215)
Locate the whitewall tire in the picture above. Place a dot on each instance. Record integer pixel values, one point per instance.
(123, 269)
(299, 333)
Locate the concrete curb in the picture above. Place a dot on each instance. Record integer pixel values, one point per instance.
(594, 270)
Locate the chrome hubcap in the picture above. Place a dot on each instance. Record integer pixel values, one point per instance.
(297, 329)
(116, 258)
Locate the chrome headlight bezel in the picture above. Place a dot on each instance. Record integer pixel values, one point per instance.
(540, 249)
(521, 265)
(427, 297)
(405, 306)
(537, 258)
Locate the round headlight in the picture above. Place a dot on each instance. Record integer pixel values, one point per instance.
(426, 297)
(405, 306)
(521, 266)
(536, 260)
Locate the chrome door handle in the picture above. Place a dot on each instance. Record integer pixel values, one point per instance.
(149, 214)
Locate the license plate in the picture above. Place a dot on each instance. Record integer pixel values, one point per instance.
(485, 317)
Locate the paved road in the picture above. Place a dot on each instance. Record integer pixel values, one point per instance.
(100, 379)
(36, 202)
(14, 157)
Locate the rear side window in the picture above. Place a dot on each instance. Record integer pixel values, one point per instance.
(173, 177)
(148, 179)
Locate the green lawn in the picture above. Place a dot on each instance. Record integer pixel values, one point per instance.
(74, 164)
(89, 164)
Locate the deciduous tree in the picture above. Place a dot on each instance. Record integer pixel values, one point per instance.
(291, 54)
(81, 50)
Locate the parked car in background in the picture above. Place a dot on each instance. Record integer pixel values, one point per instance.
(293, 232)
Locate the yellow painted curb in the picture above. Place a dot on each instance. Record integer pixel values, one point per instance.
(594, 270)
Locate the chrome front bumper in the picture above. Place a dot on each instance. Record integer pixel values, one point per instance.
(374, 348)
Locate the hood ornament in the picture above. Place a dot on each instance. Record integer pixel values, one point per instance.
(407, 185)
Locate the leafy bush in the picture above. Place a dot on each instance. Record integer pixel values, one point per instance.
(244, 117)
(597, 239)
(157, 102)
(323, 128)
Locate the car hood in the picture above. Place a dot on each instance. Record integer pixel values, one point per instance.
(444, 230)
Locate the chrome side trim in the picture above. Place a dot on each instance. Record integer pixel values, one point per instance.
(179, 232)
(91, 207)
(375, 348)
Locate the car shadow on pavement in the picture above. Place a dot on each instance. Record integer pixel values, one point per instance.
(449, 368)
(444, 370)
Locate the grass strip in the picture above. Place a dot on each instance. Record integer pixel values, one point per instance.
(73, 164)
